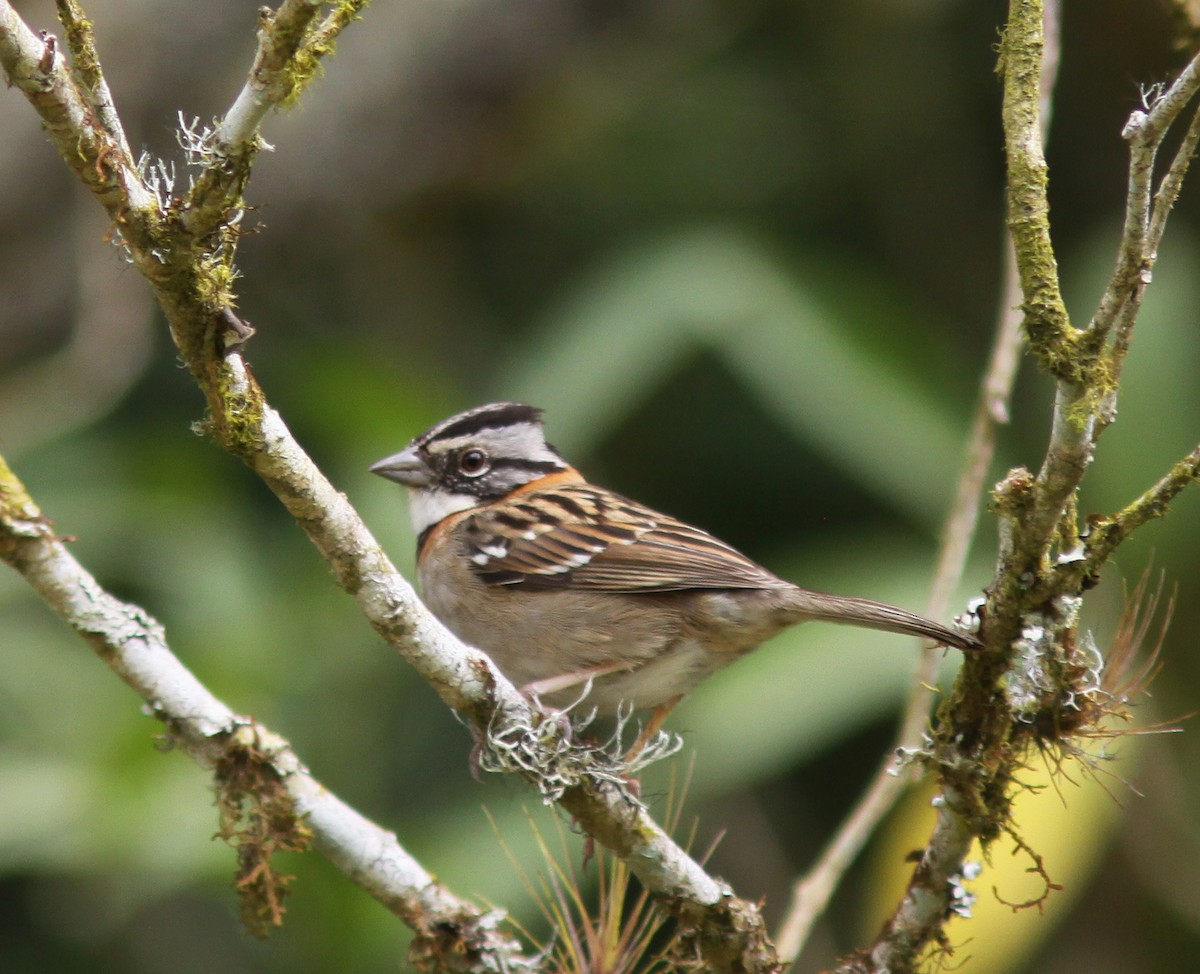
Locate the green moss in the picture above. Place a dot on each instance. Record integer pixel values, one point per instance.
(1047, 325)
(81, 42)
(318, 44)
(213, 281)
(237, 422)
(13, 497)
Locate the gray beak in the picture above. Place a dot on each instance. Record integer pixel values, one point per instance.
(405, 468)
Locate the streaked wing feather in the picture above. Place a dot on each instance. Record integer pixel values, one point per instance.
(590, 538)
(650, 563)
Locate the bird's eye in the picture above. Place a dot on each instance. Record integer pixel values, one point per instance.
(473, 463)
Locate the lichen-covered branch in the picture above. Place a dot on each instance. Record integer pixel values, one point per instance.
(1106, 534)
(730, 929)
(134, 646)
(1037, 686)
(291, 42)
(90, 142)
(188, 262)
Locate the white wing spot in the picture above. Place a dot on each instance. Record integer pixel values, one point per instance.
(480, 559)
(494, 550)
(530, 536)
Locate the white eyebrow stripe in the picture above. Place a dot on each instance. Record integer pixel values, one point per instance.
(521, 441)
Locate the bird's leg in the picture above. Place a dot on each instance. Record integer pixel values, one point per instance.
(657, 716)
(564, 681)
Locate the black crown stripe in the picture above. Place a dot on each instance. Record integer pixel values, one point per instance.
(497, 416)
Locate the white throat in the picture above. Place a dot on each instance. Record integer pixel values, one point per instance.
(428, 506)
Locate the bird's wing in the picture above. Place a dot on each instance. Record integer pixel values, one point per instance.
(583, 536)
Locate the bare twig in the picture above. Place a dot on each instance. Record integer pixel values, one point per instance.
(1146, 212)
(812, 892)
(1172, 182)
(1164, 200)
(108, 349)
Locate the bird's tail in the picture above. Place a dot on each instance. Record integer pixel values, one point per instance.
(852, 611)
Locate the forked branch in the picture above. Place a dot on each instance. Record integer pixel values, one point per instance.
(185, 249)
(1020, 692)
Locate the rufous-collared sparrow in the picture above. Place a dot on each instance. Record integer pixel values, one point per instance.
(565, 584)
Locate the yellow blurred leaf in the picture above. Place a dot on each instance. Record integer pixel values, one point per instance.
(1068, 823)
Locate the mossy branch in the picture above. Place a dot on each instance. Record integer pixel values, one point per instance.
(185, 249)
(291, 43)
(89, 77)
(269, 802)
(90, 142)
(1086, 363)
(1105, 534)
(1036, 686)
(1047, 325)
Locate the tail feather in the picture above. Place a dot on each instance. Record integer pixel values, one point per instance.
(852, 611)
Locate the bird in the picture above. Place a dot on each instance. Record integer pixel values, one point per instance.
(576, 592)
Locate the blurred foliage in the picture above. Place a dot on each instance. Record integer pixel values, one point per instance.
(746, 255)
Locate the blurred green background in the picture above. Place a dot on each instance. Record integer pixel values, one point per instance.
(747, 256)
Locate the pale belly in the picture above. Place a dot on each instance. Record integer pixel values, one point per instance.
(663, 644)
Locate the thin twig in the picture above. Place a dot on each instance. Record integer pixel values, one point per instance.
(271, 80)
(1107, 535)
(36, 66)
(290, 47)
(1172, 183)
(1164, 200)
(1146, 214)
(322, 37)
(811, 893)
